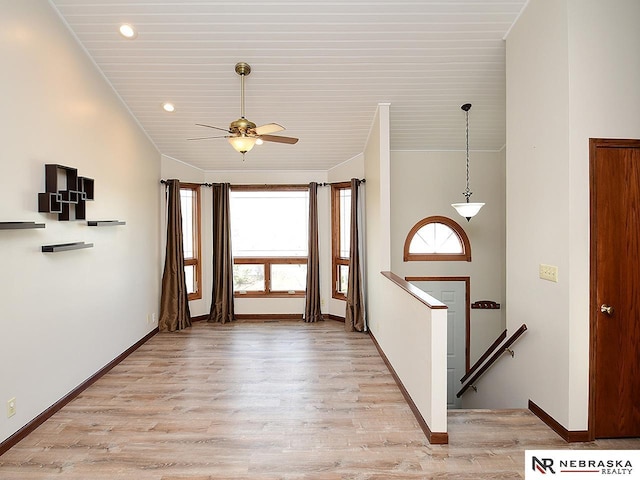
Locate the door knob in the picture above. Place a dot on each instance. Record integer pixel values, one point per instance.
(608, 309)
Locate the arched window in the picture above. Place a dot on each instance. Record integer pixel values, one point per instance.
(437, 238)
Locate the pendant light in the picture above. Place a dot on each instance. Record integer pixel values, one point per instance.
(467, 209)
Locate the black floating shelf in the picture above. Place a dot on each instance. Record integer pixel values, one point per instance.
(62, 247)
(20, 225)
(105, 223)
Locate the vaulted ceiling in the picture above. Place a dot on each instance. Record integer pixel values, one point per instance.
(319, 68)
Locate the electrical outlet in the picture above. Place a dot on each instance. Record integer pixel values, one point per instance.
(154, 320)
(11, 407)
(548, 272)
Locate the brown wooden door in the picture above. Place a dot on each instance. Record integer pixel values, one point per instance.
(615, 283)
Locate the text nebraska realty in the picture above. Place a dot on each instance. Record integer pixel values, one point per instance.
(606, 467)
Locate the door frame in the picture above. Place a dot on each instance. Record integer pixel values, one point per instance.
(594, 144)
(467, 309)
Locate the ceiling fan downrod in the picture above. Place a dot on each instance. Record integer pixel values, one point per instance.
(242, 69)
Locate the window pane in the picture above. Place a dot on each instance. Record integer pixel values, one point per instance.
(436, 238)
(187, 202)
(248, 277)
(286, 277)
(269, 223)
(190, 278)
(343, 278)
(345, 222)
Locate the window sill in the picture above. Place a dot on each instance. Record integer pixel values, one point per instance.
(269, 295)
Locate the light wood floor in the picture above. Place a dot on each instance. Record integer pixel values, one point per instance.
(277, 400)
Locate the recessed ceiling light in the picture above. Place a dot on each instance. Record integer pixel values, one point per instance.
(127, 31)
(168, 107)
(259, 141)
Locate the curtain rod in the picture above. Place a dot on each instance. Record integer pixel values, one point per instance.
(320, 184)
(361, 180)
(164, 182)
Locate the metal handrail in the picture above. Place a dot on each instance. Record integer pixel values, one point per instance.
(484, 356)
(492, 359)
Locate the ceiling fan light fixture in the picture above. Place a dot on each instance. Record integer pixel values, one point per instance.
(243, 134)
(242, 144)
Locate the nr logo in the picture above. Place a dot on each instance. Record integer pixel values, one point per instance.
(542, 465)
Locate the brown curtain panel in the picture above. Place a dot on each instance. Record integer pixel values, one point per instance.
(174, 303)
(355, 315)
(222, 294)
(312, 311)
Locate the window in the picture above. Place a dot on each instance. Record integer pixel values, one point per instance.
(437, 238)
(190, 208)
(341, 237)
(269, 239)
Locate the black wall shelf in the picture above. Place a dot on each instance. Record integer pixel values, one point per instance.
(486, 305)
(76, 192)
(105, 223)
(20, 225)
(63, 247)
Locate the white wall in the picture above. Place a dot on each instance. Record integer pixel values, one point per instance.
(604, 98)
(375, 227)
(414, 340)
(412, 336)
(572, 73)
(424, 184)
(352, 168)
(537, 214)
(87, 304)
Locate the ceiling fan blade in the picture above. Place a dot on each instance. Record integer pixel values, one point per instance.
(279, 139)
(205, 138)
(211, 126)
(269, 128)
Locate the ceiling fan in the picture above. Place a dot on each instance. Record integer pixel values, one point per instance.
(243, 134)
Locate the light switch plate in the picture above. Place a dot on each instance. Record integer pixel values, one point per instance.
(11, 407)
(549, 272)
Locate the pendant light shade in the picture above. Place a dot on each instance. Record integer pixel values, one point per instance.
(467, 209)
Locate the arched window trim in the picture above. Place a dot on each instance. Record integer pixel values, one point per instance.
(459, 231)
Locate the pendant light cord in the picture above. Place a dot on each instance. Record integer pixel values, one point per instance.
(467, 192)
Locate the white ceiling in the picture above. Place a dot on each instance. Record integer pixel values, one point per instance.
(319, 68)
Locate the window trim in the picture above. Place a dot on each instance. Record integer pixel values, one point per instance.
(267, 262)
(196, 261)
(465, 256)
(336, 259)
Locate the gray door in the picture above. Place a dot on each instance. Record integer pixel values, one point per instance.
(452, 294)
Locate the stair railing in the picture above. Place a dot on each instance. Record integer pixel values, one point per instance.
(505, 347)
